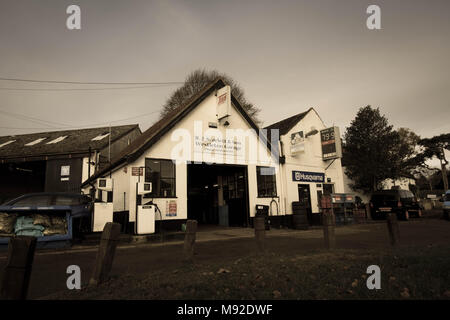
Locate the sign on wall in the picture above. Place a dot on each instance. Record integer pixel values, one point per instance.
(223, 102)
(305, 176)
(297, 142)
(137, 171)
(171, 208)
(331, 143)
(65, 173)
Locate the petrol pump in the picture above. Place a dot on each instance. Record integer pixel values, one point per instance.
(145, 213)
(103, 205)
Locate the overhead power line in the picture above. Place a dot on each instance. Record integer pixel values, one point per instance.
(85, 89)
(67, 127)
(94, 83)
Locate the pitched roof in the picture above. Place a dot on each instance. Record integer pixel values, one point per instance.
(287, 124)
(156, 131)
(60, 142)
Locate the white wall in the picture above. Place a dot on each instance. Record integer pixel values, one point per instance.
(308, 160)
(163, 149)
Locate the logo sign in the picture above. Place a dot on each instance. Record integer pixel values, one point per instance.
(223, 102)
(137, 171)
(305, 176)
(331, 143)
(297, 142)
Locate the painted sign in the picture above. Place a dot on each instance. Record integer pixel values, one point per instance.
(331, 143)
(297, 142)
(305, 176)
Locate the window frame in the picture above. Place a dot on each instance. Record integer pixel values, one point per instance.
(174, 178)
(258, 175)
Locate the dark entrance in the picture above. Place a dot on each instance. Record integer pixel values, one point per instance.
(304, 197)
(327, 188)
(21, 178)
(218, 194)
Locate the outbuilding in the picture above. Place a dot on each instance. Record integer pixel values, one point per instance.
(58, 161)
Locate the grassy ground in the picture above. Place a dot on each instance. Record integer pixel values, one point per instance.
(406, 273)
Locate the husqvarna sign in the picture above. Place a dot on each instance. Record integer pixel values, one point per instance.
(305, 176)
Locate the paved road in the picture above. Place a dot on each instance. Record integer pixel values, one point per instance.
(222, 245)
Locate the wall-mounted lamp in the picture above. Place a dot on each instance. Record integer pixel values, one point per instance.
(311, 133)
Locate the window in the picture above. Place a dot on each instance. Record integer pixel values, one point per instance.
(267, 186)
(161, 173)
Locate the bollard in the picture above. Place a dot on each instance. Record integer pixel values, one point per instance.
(105, 254)
(260, 232)
(328, 229)
(189, 239)
(393, 228)
(16, 275)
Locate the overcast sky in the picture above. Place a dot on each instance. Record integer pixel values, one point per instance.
(287, 56)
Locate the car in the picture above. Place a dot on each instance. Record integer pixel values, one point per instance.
(401, 202)
(48, 216)
(446, 205)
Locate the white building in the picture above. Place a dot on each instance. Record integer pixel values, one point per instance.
(306, 173)
(209, 161)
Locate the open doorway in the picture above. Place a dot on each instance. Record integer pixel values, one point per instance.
(218, 194)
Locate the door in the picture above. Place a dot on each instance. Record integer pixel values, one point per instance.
(304, 197)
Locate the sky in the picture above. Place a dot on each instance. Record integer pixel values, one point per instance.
(286, 55)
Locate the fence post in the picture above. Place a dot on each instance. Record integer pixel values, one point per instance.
(16, 275)
(393, 228)
(260, 231)
(189, 239)
(105, 254)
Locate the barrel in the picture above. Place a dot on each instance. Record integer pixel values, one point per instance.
(300, 216)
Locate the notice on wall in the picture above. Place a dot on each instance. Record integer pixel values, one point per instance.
(137, 171)
(65, 173)
(171, 208)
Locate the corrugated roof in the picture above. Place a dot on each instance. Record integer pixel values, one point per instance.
(75, 141)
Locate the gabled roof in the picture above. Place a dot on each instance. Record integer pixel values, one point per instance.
(287, 124)
(156, 131)
(60, 142)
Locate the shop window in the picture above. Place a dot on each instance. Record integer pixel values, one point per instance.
(267, 186)
(161, 173)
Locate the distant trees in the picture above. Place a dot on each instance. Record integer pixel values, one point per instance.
(369, 153)
(199, 79)
(373, 151)
(435, 147)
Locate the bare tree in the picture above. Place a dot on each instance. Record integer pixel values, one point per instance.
(199, 79)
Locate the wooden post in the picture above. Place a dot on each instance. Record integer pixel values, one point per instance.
(260, 232)
(105, 254)
(189, 239)
(394, 231)
(16, 275)
(328, 230)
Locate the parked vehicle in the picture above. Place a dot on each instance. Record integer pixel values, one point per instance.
(401, 202)
(47, 216)
(446, 205)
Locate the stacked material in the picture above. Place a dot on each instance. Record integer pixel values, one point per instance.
(7, 222)
(36, 225)
(26, 227)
